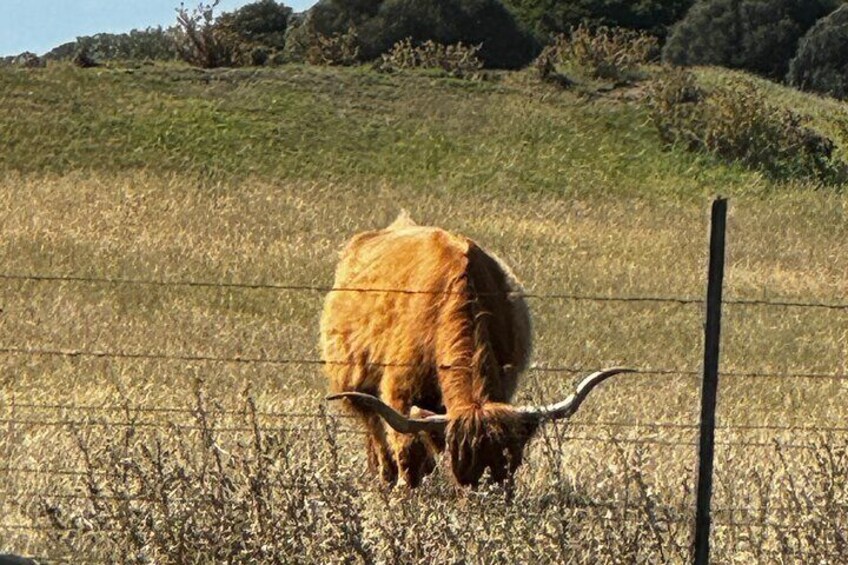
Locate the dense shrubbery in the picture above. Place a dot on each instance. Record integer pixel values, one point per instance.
(139, 44)
(252, 35)
(326, 20)
(459, 61)
(756, 35)
(341, 49)
(261, 24)
(27, 59)
(290, 493)
(200, 42)
(551, 17)
(821, 64)
(737, 124)
(606, 54)
(380, 25)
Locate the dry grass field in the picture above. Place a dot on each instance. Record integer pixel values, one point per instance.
(149, 417)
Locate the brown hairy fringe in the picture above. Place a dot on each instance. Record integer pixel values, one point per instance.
(474, 372)
(491, 435)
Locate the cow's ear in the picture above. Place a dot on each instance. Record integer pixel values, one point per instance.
(420, 413)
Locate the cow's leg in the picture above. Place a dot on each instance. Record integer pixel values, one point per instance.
(354, 376)
(380, 458)
(412, 455)
(381, 461)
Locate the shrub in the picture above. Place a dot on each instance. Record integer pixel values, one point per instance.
(200, 42)
(821, 64)
(552, 17)
(259, 56)
(247, 36)
(83, 59)
(307, 33)
(382, 24)
(339, 49)
(760, 36)
(227, 487)
(184, 499)
(151, 43)
(139, 44)
(736, 124)
(259, 24)
(610, 54)
(327, 17)
(504, 44)
(459, 61)
(28, 60)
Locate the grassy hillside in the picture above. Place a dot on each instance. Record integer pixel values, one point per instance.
(167, 175)
(307, 123)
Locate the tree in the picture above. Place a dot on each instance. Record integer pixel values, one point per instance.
(821, 64)
(760, 36)
(550, 17)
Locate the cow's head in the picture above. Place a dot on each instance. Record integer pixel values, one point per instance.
(490, 435)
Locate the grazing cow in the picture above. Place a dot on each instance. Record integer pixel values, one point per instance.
(424, 336)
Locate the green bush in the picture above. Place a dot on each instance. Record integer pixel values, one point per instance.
(736, 124)
(504, 44)
(458, 61)
(308, 32)
(327, 17)
(247, 36)
(339, 49)
(250, 35)
(380, 25)
(27, 59)
(821, 64)
(139, 44)
(552, 17)
(259, 56)
(83, 59)
(760, 36)
(603, 53)
(259, 24)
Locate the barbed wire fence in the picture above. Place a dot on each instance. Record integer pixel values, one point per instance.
(42, 414)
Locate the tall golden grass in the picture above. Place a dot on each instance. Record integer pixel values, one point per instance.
(250, 465)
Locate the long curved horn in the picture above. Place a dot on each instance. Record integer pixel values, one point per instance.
(395, 419)
(570, 405)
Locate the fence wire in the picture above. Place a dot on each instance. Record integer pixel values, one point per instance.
(239, 359)
(283, 415)
(16, 421)
(313, 288)
(351, 431)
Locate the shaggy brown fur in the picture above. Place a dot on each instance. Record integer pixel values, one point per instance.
(454, 345)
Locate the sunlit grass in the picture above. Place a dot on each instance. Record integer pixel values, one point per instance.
(241, 177)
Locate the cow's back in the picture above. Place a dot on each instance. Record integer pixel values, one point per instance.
(392, 288)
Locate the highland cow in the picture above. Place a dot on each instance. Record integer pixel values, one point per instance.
(424, 335)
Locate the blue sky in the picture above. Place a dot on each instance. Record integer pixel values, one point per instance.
(40, 25)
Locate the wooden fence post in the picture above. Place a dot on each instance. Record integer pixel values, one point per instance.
(709, 387)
